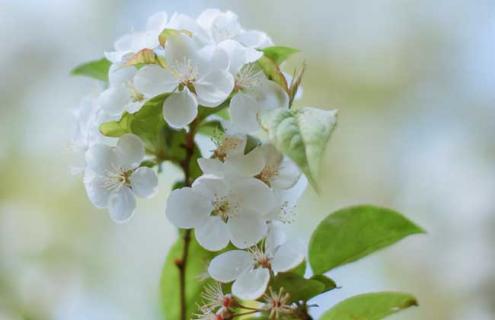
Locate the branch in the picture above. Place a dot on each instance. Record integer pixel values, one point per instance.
(182, 264)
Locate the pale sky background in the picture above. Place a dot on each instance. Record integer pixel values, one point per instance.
(414, 84)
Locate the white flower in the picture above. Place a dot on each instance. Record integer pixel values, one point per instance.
(279, 172)
(228, 159)
(215, 299)
(250, 270)
(113, 177)
(255, 94)
(194, 74)
(222, 26)
(121, 95)
(222, 210)
(264, 163)
(133, 42)
(88, 119)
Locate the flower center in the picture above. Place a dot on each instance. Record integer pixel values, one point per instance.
(136, 96)
(228, 144)
(248, 77)
(261, 259)
(267, 174)
(184, 71)
(277, 303)
(116, 179)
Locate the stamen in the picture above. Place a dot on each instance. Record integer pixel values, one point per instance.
(225, 147)
(116, 178)
(268, 173)
(277, 303)
(184, 71)
(261, 259)
(224, 208)
(249, 77)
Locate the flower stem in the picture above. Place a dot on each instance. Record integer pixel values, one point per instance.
(186, 165)
(182, 274)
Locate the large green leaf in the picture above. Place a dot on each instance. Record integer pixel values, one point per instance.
(302, 134)
(370, 306)
(279, 54)
(352, 233)
(97, 69)
(197, 263)
(299, 288)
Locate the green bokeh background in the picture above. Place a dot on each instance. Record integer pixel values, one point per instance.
(414, 82)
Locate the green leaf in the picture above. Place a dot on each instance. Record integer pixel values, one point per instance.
(204, 112)
(299, 288)
(118, 128)
(213, 128)
(147, 123)
(251, 143)
(273, 72)
(197, 263)
(328, 283)
(300, 269)
(352, 233)
(302, 134)
(370, 306)
(97, 69)
(279, 54)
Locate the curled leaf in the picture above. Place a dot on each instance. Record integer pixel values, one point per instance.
(145, 56)
(167, 33)
(302, 134)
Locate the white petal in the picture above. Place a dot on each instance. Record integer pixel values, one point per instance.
(276, 236)
(227, 266)
(247, 165)
(121, 205)
(187, 209)
(251, 284)
(225, 25)
(153, 80)
(214, 88)
(255, 195)
(287, 256)
(287, 176)
(239, 55)
(215, 58)
(254, 39)
(270, 95)
(144, 182)
(180, 47)
(211, 188)
(185, 22)
(114, 100)
(244, 113)
(157, 21)
(211, 166)
(246, 229)
(101, 158)
(95, 188)
(180, 109)
(206, 18)
(130, 151)
(213, 234)
(119, 74)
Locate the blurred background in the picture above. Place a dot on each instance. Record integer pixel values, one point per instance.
(414, 82)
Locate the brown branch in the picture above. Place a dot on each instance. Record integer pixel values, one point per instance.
(182, 264)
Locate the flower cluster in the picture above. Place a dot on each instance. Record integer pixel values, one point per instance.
(247, 188)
